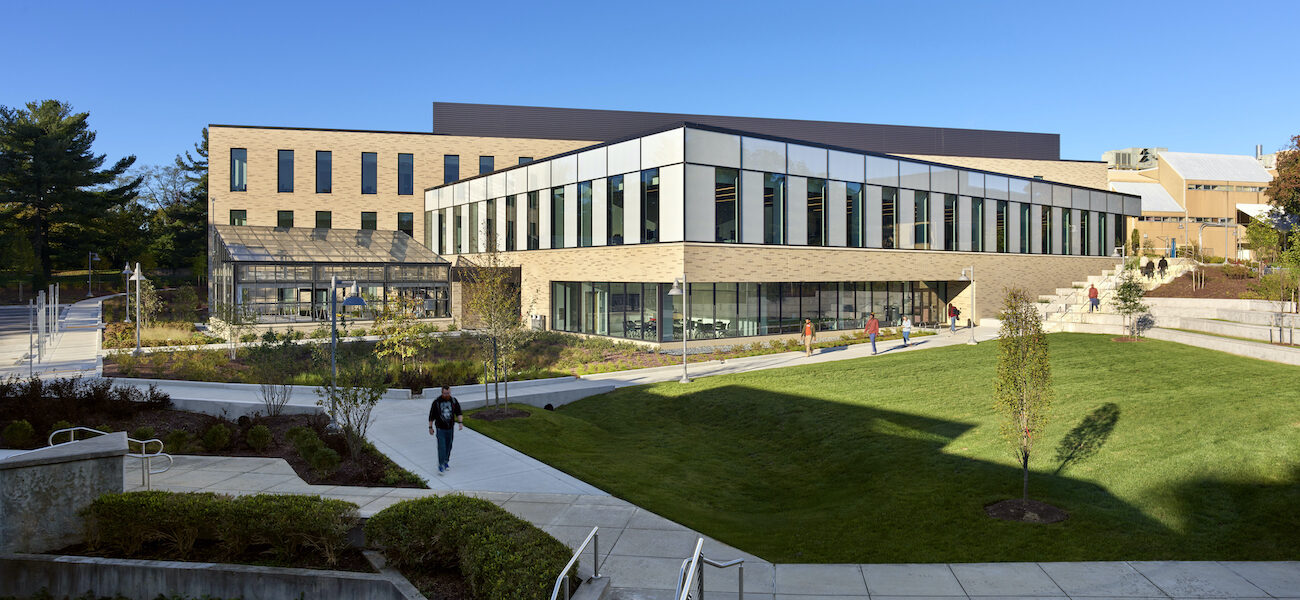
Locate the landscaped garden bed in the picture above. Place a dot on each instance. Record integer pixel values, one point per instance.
(31, 409)
(1156, 451)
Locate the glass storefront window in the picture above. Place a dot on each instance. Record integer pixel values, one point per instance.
(456, 246)
(614, 213)
(534, 236)
(921, 216)
(1045, 236)
(773, 208)
(816, 212)
(649, 206)
(1084, 238)
(1025, 227)
(512, 215)
(557, 217)
(1001, 226)
(726, 205)
(584, 214)
(1066, 240)
(888, 216)
(977, 224)
(950, 221)
(853, 206)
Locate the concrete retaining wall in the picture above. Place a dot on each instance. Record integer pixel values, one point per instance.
(42, 491)
(25, 574)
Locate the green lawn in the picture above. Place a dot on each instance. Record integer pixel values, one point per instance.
(892, 458)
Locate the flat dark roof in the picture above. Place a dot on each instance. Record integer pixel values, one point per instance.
(497, 120)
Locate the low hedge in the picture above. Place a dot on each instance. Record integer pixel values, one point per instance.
(500, 555)
(123, 524)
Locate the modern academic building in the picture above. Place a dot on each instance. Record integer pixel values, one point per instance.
(769, 220)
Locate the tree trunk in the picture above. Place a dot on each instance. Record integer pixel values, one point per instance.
(1024, 464)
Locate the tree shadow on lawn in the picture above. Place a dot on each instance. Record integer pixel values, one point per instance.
(1087, 438)
(798, 479)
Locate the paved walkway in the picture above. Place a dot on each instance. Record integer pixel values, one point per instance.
(642, 551)
(73, 351)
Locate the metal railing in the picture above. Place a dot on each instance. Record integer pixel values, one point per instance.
(562, 580)
(146, 457)
(691, 574)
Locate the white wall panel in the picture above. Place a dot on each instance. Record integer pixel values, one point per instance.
(435, 234)
(544, 217)
(906, 219)
(882, 171)
(591, 164)
(599, 210)
(1056, 229)
(478, 189)
(943, 179)
(430, 199)
(1060, 196)
(762, 155)
(564, 170)
(971, 184)
(521, 221)
(1019, 190)
(846, 166)
(624, 157)
(936, 217)
(700, 213)
(963, 223)
(516, 181)
(806, 160)
(1035, 229)
(914, 176)
(751, 207)
(571, 212)
(996, 187)
(539, 176)
(712, 148)
(672, 184)
(990, 226)
(631, 209)
(459, 193)
(500, 226)
(496, 183)
(796, 218)
(663, 148)
(871, 210)
(1013, 228)
(1079, 199)
(837, 214)
(1041, 193)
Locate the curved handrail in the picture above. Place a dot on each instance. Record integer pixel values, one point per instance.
(694, 566)
(144, 454)
(562, 580)
(691, 566)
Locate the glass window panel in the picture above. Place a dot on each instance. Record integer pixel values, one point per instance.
(324, 171)
(816, 212)
(950, 221)
(747, 310)
(1045, 223)
(791, 317)
(702, 322)
(1025, 227)
(769, 317)
(773, 208)
(456, 226)
(726, 187)
(888, 216)
(238, 217)
(473, 227)
(406, 223)
(324, 219)
(284, 171)
(977, 224)
(512, 215)
(284, 218)
(369, 173)
(921, 220)
(1066, 238)
(239, 169)
(854, 215)
(490, 224)
(442, 231)
(557, 217)
(619, 323)
(650, 205)
(725, 310)
(650, 319)
(405, 174)
(534, 235)
(584, 214)
(523, 160)
(1001, 228)
(450, 168)
(614, 213)
(828, 307)
(485, 164)
(369, 220)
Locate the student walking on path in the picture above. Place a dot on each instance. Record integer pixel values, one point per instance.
(808, 337)
(1094, 303)
(953, 313)
(873, 329)
(1162, 266)
(907, 329)
(442, 413)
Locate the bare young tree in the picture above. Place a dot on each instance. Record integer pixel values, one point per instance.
(492, 306)
(231, 321)
(1023, 388)
(1128, 300)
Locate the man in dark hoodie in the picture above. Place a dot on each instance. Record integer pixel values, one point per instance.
(442, 413)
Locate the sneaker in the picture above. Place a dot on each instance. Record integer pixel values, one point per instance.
(447, 466)
(440, 469)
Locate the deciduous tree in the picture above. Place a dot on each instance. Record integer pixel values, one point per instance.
(1022, 390)
(1284, 191)
(492, 307)
(1128, 299)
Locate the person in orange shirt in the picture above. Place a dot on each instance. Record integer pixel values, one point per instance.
(873, 329)
(809, 336)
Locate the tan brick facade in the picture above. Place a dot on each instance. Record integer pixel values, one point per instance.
(1076, 172)
(345, 201)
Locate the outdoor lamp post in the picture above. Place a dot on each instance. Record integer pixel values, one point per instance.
(90, 273)
(679, 289)
(353, 299)
(138, 277)
(968, 274)
(126, 278)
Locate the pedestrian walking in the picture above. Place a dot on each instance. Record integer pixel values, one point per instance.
(907, 329)
(442, 413)
(873, 329)
(1094, 303)
(953, 313)
(1163, 266)
(808, 337)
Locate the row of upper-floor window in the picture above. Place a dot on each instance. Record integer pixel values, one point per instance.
(1206, 187)
(369, 170)
(325, 220)
(924, 228)
(1184, 219)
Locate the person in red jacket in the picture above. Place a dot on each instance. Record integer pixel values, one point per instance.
(873, 329)
(953, 313)
(808, 337)
(1094, 303)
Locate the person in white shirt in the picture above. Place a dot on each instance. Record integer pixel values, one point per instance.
(907, 329)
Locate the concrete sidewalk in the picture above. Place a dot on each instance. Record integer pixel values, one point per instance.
(642, 552)
(73, 351)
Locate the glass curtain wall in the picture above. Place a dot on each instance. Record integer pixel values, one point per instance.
(1065, 231)
(584, 214)
(888, 216)
(853, 214)
(614, 212)
(950, 221)
(1045, 235)
(977, 224)
(456, 246)
(534, 232)
(557, 217)
(1085, 246)
(512, 218)
(773, 208)
(817, 212)
(921, 216)
(1001, 224)
(473, 227)
(490, 224)
(649, 206)
(726, 205)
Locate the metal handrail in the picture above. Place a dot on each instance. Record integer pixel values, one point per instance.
(562, 580)
(146, 457)
(692, 572)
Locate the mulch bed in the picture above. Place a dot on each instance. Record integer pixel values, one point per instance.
(1025, 511)
(447, 584)
(1216, 286)
(351, 559)
(1126, 339)
(499, 414)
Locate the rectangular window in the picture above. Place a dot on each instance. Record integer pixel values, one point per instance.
(512, 216)
(324, 171)
(450, 168)
(523, 160)
(324, 219)
(369, 173)
(1045, 237)
(490, 224)
(534, 208)
(557, 217)
(1120, 235)
(369, 221)
(1001, 228)
(485, 164)
(726, 205)
(614, 214)
(442, 231)
(977, 224)
(816, 212)
(284, 171)
(773, 208)
(238, 217)
(473, 227)
(921, 220)
(584, 214)
(950, 221)
(239, 169)
(1084, 238)
(428, 229)
(405, 174)
(888, 216)
(284, 218)
(1025, 227)
(456, 227)
(649, 206)
(1066, 239)
(853, 205)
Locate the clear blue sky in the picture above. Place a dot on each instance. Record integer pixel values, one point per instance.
(1196, 76)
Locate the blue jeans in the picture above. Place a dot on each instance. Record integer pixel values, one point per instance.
(905, 335)
(445, 437)
(954, 324)
(1094, 304)
(873, 343)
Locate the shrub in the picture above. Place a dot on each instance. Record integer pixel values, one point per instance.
(258, 438)
(358, 332)
(142, 433)
(177, 441)
(1237, 272)
(289, 525)
(296, 335)
(248, 337)
(320, 333)
(216, 437)
(60, 424)
(501, 555)
(124, 523)
(19, 433)
(321, 458)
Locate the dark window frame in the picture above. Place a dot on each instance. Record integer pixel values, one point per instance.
(325, 175)
(239, 174)
(370, 172)
(283, 183)
(405, 174)
(280, 218)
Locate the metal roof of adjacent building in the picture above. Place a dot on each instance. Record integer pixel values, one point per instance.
(1154, 196)
(259, 243)
(1216, 167)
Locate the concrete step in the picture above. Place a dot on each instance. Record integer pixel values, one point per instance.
(1269, 352)
(1262, 333)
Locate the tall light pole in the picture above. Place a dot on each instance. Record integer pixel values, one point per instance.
(90, 273)
(353, 299)
(138, 277)
(968, 274)
(680, 289)
(126, 278)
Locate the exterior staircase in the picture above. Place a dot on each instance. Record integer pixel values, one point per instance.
(1070, 305)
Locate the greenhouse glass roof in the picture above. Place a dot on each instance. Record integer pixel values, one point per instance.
(253, 243)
